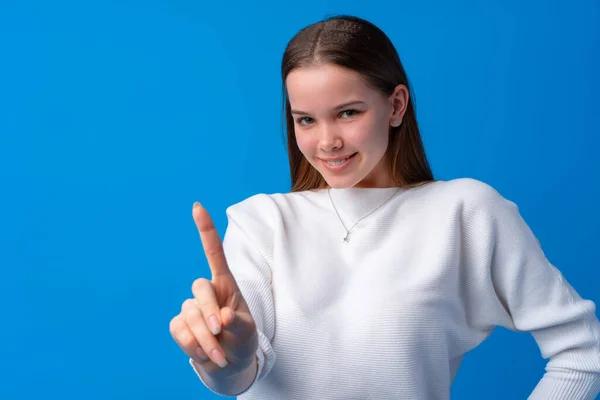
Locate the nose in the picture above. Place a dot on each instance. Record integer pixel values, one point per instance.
(330, 139)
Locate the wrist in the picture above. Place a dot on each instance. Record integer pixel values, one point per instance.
(229, 381)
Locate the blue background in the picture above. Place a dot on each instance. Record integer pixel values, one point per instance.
(116, 116)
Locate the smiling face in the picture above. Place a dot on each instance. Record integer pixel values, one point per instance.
(342, 124)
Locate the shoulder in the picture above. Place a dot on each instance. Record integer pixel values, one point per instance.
(262, 217)
(268, 207)
(255, 202)
(251, 209)
(469, 195)
(467, 190)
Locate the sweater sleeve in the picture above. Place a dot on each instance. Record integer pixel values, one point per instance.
(525, 292)
(245, 244)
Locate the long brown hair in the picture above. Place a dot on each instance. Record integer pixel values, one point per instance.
(359, 45)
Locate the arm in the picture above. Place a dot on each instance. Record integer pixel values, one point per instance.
(523, 291)
(246, 248)
(225, 382)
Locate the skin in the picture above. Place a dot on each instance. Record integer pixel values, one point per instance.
(215, 327)
(336, 114)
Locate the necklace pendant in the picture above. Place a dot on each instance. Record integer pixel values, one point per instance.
(346, 240)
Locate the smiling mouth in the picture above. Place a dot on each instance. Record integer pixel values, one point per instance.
(338, 162)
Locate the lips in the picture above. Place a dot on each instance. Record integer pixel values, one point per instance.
(338, 164)
(338, 158)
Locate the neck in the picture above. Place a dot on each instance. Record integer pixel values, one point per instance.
(353, 203)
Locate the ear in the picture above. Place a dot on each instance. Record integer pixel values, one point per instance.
(399, 103)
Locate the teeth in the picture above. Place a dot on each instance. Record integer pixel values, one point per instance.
(337, 163)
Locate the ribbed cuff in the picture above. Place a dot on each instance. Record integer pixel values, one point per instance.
(265, 356)
(576, 386)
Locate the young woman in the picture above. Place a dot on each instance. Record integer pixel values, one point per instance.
(370, 279)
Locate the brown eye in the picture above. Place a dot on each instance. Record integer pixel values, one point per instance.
(349, 113)
(305, 121)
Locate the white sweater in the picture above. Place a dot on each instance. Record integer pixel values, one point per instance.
(390, 314)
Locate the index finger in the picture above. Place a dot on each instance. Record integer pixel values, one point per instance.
(211, 242)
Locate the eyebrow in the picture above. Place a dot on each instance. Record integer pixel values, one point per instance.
(336, 108)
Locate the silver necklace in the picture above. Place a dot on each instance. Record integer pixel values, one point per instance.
(346, 238)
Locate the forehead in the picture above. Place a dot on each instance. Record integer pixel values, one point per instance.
(326, 86)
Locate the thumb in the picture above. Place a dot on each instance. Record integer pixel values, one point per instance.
(237, 322)
(227, 316)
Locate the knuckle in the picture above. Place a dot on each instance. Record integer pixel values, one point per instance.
(176, 325)
(214, 251)
(187, 305)
(173, 328)
(193, 316)
(188, 341)
(182, 334)
(204, 302)
(200, 284)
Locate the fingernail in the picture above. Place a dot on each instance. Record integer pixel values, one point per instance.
(215, 327)
(196, 204)
(219, 358)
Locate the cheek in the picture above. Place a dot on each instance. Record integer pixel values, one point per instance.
(367, 134)
(305, 143)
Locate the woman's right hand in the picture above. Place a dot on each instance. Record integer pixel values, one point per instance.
(215, 328)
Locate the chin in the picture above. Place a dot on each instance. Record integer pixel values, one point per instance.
(341, 182)
(339, 186)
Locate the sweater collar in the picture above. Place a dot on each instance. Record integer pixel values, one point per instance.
(356, 202)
